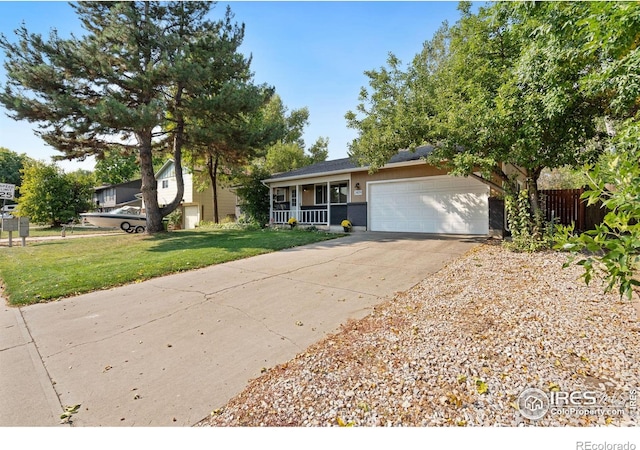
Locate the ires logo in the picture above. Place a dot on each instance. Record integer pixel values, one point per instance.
(534, 404)
(576, 398)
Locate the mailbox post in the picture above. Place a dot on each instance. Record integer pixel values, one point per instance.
(23, 226)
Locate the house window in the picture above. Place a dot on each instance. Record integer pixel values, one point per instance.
(339, 192)
(321, 194)
(281, 195)
(165, 184)
(294, 197)
(110, 195)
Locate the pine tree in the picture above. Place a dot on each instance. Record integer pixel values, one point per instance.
(130, 81)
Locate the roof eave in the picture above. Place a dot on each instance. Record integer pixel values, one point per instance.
(343, 171)
(316, 175)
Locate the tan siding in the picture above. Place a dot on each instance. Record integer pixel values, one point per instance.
(226, 203)
(414, 171)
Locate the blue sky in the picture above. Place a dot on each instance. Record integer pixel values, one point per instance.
(314, 53)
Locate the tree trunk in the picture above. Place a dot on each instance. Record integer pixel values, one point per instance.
(532, 187)
(212, 166)
(149, 185)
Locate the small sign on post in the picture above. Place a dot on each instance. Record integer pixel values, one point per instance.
(11, 224)
(7, 191)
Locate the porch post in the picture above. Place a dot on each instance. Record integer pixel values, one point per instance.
(297, 209)
(270, 204)
(329, 204)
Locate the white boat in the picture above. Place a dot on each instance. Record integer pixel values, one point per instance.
(127, 218)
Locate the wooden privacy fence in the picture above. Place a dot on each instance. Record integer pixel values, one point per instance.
(565, 207)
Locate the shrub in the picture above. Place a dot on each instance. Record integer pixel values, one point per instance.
(613, 248)
(175, 219)
(528, 234)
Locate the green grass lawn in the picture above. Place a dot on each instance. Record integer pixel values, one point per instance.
(48, 270)
(70, 230)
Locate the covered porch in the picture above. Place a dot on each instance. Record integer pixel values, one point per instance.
(310, 203)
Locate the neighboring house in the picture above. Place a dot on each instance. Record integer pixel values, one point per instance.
(196, 206)
(112, 196)
(406, 195)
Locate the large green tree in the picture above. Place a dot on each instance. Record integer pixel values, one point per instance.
(287, 151)
(120, 166)
(50, 196)
(130, 81)
(494, 93)
(11, 163)
(115, 167)
(285, 156)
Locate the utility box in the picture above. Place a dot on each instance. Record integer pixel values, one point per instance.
(11, 224)
(24, 226)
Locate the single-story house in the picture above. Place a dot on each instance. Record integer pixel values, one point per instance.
(112, 196)
(405, 195)
(197, 205)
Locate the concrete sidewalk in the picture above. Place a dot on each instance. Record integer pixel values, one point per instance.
(170, 350)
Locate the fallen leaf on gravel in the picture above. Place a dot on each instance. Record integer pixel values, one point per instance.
(342, 423)
(481, 386)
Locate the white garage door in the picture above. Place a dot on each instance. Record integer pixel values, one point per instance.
(439, 204)
(191, 217)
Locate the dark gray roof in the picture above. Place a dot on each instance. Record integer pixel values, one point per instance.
(133, 183)
(345, 164)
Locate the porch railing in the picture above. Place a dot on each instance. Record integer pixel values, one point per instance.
(281, 216)
(306, 216)
(313, 216)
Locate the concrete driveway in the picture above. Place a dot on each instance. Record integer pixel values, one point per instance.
(168, 351)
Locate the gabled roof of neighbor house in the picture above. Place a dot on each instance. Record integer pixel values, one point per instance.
(346, 165)
(132, 183)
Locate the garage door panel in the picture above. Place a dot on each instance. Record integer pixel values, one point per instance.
(437, 205)
(191, 217)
